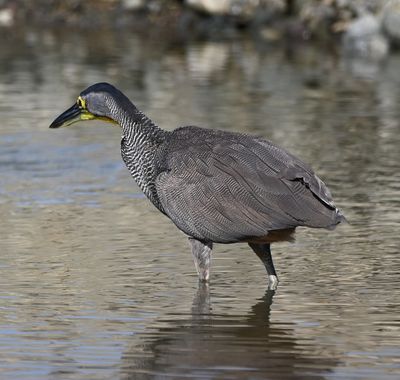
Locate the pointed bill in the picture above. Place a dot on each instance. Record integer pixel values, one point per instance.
(72, 115)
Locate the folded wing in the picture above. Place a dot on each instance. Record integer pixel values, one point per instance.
(226, 187)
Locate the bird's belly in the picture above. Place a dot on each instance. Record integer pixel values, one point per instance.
(274, 236)
(230, 237)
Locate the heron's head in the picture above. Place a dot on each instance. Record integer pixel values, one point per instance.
(98, 102)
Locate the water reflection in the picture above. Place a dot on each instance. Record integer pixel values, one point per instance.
(214, 346)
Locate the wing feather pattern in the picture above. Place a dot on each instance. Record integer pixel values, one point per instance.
(226, 187)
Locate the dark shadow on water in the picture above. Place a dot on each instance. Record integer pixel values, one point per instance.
(212, 346)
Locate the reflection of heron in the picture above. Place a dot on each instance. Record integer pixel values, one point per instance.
(211, 346)
(216, 186)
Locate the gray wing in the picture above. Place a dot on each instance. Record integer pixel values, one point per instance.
(229, 187)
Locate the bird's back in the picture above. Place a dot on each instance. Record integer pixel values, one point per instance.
(228, 187)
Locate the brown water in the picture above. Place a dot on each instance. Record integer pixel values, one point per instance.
(96, 284)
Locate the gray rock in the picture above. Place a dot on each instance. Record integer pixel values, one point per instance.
(133, 5)
(363, 38)
(245, 9)
(391, 21)
(335, 15)
(6, 17)
(363, 27)
(211, 6)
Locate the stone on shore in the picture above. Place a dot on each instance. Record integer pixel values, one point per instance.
(391, 21)
(363, 38)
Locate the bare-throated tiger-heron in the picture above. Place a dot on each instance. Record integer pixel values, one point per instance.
(216, 186)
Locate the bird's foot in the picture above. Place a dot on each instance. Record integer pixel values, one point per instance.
(202, 258)
(272, 282)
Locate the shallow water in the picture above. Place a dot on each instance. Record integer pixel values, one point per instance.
(96, 284)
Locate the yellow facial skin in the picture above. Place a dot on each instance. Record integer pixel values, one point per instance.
(78, 112)
(81, 102)
(85, 114)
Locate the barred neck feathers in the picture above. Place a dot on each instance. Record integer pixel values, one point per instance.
(140, 141)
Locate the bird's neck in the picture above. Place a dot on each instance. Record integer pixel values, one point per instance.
(141, 140)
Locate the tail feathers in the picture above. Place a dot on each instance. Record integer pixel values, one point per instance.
(339, 218)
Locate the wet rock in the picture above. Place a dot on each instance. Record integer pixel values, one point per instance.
(363, 38)
(133, 5)
(6, 17)
(330, 17)
(391, 21)
(211, 6)
(244, 9)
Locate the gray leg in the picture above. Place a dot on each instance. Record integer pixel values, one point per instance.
(263, 251)
(201, 306)
(202, 258)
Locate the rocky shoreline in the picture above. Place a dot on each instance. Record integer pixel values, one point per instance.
(368, 28)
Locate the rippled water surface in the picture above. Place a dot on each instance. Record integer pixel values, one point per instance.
(96, 284)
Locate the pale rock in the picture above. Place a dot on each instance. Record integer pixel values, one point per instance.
(6, 17)
(214, 7)
(133, 5)
(391, 21)
(363, 38)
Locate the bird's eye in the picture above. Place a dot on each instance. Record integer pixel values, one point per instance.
(80, 103)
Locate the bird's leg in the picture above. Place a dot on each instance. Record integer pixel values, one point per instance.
(263, 251)
(201, 305)
(202, 258)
